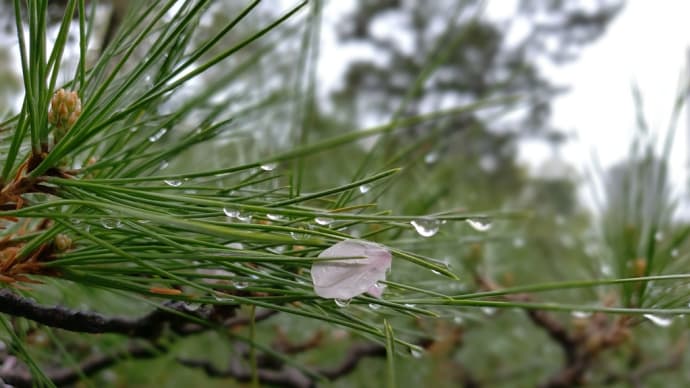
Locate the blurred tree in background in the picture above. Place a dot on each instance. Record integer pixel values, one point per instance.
(175, 221)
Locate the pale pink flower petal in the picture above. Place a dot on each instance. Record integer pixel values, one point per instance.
(347, 278)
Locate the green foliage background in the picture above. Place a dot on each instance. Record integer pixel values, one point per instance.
(205, 150)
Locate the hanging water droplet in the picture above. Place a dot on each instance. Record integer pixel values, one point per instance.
(192, 306)
(299, 235)
(247, 217)
(235, 245)
(458, 320)
(431, 157)
(425, 227)
(518, 242)
(275, 217)
(241, 285)
(157, 136)
(232, 213)
(489, 310)
(173, 182)
(374, 306)
(409, 305)
(416, 352)
(674, 252)
(164, 165)
(342, 302)
(111, 223)
(223, 298)
(435, 272)
(658, 236)
(480, 224)
(364, 188)
(269, 166)
(323, 221)
(580, 314)
(659, 321)
(378, 288)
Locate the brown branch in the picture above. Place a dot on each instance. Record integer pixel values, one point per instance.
(149, 326)
(636, 377)
(172, 314)
(285, 377)
(21, 377)
(354, 355)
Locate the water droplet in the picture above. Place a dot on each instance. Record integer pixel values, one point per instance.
(269, 166)
(232, 213)
(674, 252)
(409, 305)
(235, 245)
(296, 235)
(378, 287)
(157, 136)
(342, 302)
(164, 165)
(458, 320)
(481, 224)
(489, 310)
(247, 217)
(223, 298)
(364, 189)
(580, 314)
(323, 221)
(425, 227)
(192, 306)
(275, 217)
(435, 272)
(518, 242)
(241, 285)
(658, 236)
(416, 352)
(659, 321)
(111, 223)
(374, 306)
(173, 182)
(431, 157)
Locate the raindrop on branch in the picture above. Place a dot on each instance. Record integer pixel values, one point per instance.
(342, 302)
(157, 136)
(416, 352)
(232, 213)
(481, 224)
(111, 223)
(323, 221)
(275, 217)
(244, 217)
(364, 188)
(659, 321)
(269, 166)
(425, 227)
(173, 182)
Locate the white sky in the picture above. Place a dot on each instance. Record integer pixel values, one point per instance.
(646, 44)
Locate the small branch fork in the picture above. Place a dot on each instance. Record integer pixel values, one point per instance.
(583, 343)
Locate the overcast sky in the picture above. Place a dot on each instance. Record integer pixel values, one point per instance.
(646, 44)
